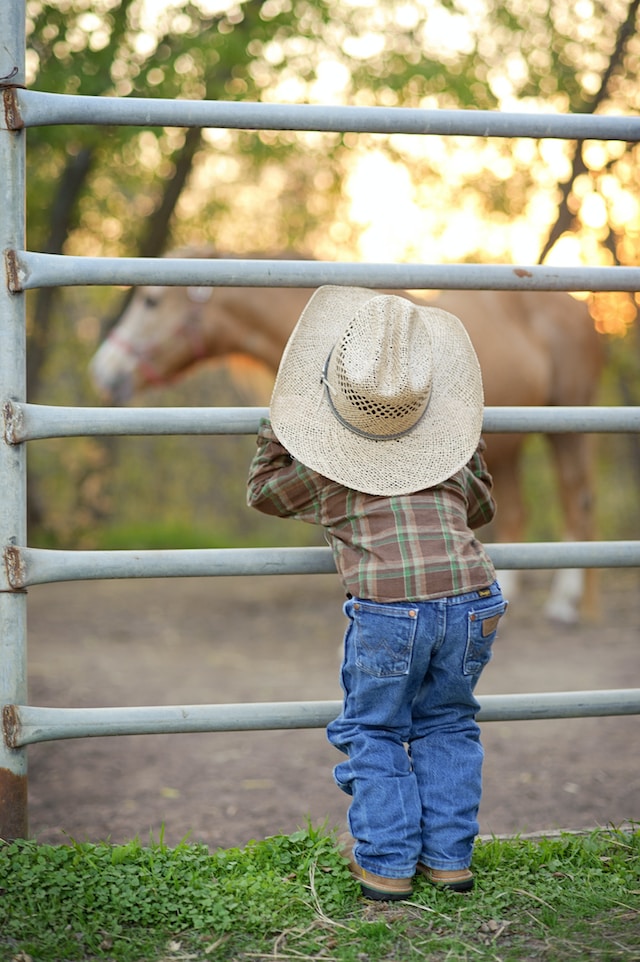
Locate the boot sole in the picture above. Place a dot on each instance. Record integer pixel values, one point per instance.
(377, 896)
(464, 885)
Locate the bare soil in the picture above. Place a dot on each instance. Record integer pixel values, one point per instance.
(193, 641)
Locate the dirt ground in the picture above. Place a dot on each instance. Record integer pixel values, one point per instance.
(194, 641)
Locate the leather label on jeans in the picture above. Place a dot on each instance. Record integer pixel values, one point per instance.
(489, 625)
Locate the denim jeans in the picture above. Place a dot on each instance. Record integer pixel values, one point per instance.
(414, 768)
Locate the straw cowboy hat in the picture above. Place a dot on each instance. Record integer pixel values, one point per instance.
(376, 393)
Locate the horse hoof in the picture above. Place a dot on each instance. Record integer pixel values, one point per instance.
(562, 612)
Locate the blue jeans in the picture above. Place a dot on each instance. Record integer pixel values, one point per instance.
(414, 768)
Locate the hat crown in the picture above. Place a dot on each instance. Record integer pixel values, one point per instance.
(377, 392)
(379, 373)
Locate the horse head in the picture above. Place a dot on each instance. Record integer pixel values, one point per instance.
(158, 336)
(164, 331)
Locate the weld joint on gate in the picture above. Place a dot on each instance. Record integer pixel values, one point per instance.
(12, 266)
(11, 725)
(13, 418)
(12, 115)
(15, 567)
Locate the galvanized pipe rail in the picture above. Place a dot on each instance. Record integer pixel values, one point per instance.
(35, 566)
(33, 108)
(26, 725)
(28, 270)
(29, 422)
(24, 566)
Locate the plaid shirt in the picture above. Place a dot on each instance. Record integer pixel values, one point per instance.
(411, 547)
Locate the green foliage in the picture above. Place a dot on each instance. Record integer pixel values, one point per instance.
(125, 190)
(436, 55)
(573, 896)
(66, 899)
(242, 52)
(179, 535)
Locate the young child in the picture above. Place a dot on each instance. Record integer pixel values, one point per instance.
(375, 428)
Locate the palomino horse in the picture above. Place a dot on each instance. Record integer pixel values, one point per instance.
(535, 348)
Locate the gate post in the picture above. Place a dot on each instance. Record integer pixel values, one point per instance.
(13, 526)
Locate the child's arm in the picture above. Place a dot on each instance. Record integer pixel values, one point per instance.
(481, 506)
(278, 484)
(478, 466)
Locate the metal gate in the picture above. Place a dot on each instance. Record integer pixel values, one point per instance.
(24, 566)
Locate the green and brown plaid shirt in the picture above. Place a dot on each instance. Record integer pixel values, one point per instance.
(410, 547)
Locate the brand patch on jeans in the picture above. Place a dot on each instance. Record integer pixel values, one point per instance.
(489, 625)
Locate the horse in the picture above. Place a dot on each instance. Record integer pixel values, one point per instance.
(535, 348)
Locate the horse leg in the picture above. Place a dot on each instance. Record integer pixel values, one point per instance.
(574, 588)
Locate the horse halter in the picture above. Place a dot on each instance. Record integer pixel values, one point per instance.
(191, 327)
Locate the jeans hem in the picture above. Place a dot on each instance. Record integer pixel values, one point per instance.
(385, 871)
(441, 866)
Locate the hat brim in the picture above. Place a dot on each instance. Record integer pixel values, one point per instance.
(441, 442)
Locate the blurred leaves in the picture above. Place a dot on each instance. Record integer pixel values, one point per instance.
(515, 55)
(130, 191)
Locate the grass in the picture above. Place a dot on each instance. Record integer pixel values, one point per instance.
(164, 534)
(291, 898)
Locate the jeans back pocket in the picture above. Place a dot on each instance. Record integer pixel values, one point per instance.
(482, 626)
(383, 638)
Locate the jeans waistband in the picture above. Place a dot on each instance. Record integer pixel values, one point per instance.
(491, 591)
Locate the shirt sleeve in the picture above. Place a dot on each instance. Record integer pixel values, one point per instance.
(481, 505)
(278, 484)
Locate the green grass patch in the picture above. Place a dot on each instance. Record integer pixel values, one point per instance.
(167, 534)
(291, 897)
(161, 535)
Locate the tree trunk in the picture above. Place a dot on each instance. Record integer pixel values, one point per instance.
(564, 219)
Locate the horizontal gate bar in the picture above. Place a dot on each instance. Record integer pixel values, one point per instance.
(24, 725)
(28, 422)
(33, 108)
(28, 270)
(34, 566)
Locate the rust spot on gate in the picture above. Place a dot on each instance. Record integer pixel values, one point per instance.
(13, 271)
(12, 114)
(14, 566)
(13, 423)
(10, 725)
(14, 822)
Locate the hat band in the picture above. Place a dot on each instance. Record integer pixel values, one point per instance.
(351, 427)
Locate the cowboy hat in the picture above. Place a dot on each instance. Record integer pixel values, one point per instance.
(378, 393)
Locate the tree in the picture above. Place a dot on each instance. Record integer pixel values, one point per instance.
(140, 191)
